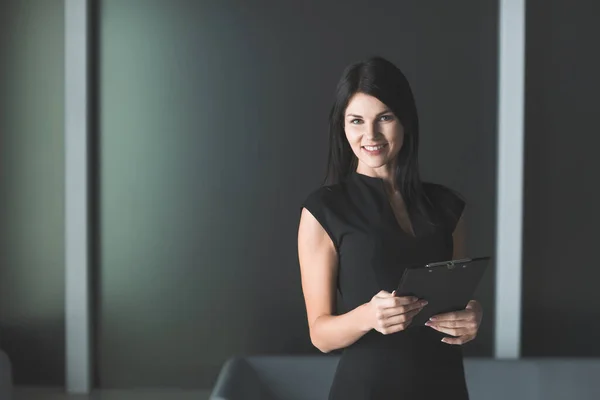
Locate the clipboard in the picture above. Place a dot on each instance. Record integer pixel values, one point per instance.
(447, 286)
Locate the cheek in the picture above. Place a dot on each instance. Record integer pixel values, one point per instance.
(353, 135)
(395, 134)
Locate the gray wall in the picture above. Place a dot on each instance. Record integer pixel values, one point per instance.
(31, 189)
(560, 275)
(212, 130)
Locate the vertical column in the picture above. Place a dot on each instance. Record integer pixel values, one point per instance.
(77, 311)
(511, 82)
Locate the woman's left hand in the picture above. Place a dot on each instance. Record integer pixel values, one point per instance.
(463, 325)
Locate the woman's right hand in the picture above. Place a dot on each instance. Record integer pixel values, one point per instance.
(390, 313)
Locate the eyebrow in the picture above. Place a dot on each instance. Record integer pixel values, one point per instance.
(360, 116)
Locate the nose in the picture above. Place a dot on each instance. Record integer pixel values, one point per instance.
(371, 131)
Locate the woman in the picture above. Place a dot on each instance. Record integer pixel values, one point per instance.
(358, 232)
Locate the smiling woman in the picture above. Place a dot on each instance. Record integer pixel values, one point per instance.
(377, 136)
(359, 232)
(374, 120)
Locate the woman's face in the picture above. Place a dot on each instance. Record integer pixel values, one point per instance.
(374, 133)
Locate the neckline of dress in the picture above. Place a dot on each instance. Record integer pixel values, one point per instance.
(367, 176)
(380, 185)
(372, 180)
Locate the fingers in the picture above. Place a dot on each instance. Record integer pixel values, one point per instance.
(394, 328)
(384, 294)
(456, 332)
(462, 315)
(395, 323)
(393, 311)
(472, 305)
(400, 318)
(463, 331)
(393, 302)
(459, 340)
(387, 324)
(454, 324)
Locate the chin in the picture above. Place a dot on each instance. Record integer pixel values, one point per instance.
(375, 164)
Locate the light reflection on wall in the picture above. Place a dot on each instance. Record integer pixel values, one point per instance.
(31, 189)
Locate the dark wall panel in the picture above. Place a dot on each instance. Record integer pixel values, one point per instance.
(31, 189)
(456, 90)
(213, 118)
(560, 273)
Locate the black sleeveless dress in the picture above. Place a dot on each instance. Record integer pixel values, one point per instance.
(373, 252)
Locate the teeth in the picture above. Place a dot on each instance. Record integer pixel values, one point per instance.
(374, 148)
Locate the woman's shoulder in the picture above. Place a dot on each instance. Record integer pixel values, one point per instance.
(325, 195)
(447, 202)
(324, 203)
(440, 193)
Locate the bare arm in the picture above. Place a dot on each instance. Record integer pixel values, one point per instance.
(318, 268)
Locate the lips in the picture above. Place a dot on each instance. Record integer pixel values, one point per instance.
(375, 150)
(375, 147)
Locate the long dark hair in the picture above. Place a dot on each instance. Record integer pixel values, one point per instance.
(381, 79)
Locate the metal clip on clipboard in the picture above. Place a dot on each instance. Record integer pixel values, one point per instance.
(448, 264)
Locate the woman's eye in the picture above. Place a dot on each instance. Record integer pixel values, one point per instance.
(386, 118)
(355, 121)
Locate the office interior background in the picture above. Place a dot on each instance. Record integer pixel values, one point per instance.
(208, 127)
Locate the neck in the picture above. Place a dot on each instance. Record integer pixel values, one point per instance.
(385, 173)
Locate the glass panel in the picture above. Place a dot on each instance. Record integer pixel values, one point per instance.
(32, 189)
